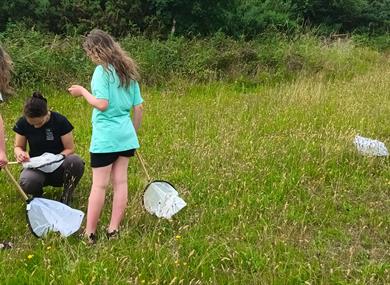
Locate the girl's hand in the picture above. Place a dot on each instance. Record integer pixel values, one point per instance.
(76, 90)
(22, 156)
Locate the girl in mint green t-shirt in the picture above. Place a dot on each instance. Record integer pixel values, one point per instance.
(114, 92)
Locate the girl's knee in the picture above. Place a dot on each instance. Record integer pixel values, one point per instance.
(119, 181)
(99, 186)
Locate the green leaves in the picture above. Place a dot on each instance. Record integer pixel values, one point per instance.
(162, 18)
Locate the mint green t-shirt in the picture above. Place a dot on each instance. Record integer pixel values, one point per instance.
(112, 129)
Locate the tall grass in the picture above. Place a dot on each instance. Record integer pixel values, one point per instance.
(273, 58)
(276, 192)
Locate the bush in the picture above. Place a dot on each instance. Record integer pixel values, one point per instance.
(60, 61)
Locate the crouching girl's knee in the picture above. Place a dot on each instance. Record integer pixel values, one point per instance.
(31, 186)
(75, 163)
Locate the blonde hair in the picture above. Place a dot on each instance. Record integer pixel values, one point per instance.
(6, 67)
(102, 49)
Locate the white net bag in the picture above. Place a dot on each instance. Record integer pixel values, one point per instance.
(46, 215)
(47, 162)
(370, 147)
(162, 200)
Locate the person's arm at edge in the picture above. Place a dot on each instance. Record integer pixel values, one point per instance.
(3, 154)
(68, 142)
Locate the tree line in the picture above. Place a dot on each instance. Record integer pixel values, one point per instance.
(162, 18)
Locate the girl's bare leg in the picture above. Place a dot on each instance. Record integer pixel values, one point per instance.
(119, 183)
(100, 180)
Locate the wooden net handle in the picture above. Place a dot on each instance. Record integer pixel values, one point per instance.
(16, 183)
(142, 164)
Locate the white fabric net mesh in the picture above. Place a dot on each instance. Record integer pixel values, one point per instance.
(162, 200)
(47, 162)
(370, 147)
(48, 215)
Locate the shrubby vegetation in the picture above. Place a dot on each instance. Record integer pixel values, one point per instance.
(161, 18)
(51, 59)
(250, 41)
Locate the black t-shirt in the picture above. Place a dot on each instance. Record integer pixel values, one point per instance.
(46, 138)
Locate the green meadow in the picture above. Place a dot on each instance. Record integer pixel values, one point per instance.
(276, 192)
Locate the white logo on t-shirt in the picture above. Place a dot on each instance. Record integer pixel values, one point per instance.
(49, 135)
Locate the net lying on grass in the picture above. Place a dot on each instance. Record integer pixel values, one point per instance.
(44, 215)
(370, 147)
(160, 197)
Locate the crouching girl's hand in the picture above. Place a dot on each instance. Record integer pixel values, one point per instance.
(21, 156)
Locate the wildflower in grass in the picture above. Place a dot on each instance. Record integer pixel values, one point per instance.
(178, 237)
(30, 256)
(48, 248)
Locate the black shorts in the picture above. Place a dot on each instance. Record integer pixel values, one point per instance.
(104, 159)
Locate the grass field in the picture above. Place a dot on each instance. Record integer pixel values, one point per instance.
(276, 192)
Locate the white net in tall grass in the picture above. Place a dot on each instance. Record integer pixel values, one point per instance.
(46, 216)
(370, 147)
(47, 162)
(162, 200)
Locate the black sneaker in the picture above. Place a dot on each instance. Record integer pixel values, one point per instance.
(90, 239)
(6, 245)
(112, 235)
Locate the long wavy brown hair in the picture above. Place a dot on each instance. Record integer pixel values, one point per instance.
(102, 49)
(6, 67)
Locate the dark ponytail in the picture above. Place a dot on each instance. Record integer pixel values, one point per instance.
(35, 106)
